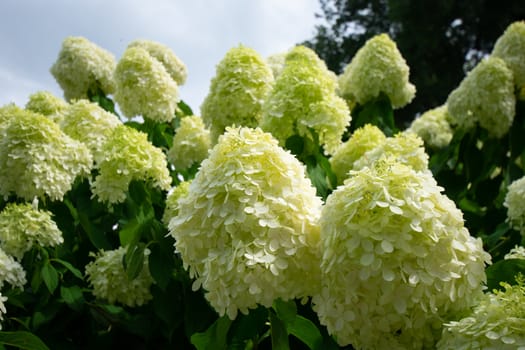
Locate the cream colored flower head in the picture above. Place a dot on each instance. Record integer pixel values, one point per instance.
(515, 204)
(406, 147)
(11, 272)
(191, 143)
(496, 322)
(396, 259)
(172, 201)
(125, 156)
(107, 276)
(38, 159)
(248, 228)
(173, 65)
(23, 226)
(362, 140)
(47, 104)
(144, 86)
(303, 100)
(433, 127)
(518, 252)
(485, 97)
(511, 48)
(242, 81)
(88, 123)
(83, 68)
(378, 67)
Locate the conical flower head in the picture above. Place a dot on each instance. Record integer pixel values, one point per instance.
(38, 159)
(396, 260)
(127, 155)
(304, 99)
(88, 123)
(377, 68)
(47, 104)
(515, 204)
(485, 96)
(107, 276)
(497, 322)
(22, 226)
(83, 68)
(173, 65)
(362, 140)
(241, 84)
(433, 127)
(191, 143)
(144, 86)
(248, 228)
(511, 48)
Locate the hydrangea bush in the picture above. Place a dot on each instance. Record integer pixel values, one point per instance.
(295, 214)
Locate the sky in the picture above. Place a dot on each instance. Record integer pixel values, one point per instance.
(199, 32)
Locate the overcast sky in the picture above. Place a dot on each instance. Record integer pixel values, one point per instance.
(200, 33)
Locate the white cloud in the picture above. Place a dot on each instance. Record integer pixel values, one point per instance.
(200, 32)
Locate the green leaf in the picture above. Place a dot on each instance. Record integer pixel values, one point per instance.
(160, 265)
(72, 296)
(279, 333)
(76, 272)
(22, 340)
(50, 276)
(295, 144)
(184, 108)
(306, 331)
(215, 337)
(504, 271)
(286, 310)
(96, 236)
(247, 327)
(134, 260)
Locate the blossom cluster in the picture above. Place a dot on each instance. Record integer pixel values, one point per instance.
(304, 99)
(125, 156)
(511, 48)
(37, 158)
(83, 68)
(45, 103)
(191, 143)
(172, 201)
(377, 68)
(515, 204)
(247, 229)
(396, 259)
(109, 280)
(242, 81)
(433, 127)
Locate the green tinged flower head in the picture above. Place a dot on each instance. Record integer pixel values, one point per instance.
(511, 48)
(517, 252)
(125, 156)
(515, 204)
(11, 271)
(362, 140)
(173, 65)
(276, 63)
(237, 92)
(190, 143)
(406, 147)
(107, 276)
(396, 259)
(304, 100)
(377, 68)
(248, 228)
(83, 68)
(145, 87)
(433, 127)
(47, 104)
(485, 96)
(38, 159)
(172, 201)
(23, 226)
(8, 112)
(497, 322)
(88, 123)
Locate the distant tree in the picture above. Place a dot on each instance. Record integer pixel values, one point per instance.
(440, 40)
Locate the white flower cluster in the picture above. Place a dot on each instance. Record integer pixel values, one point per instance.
(37, 158)
(109, 280)
(191, 143)
(518, 252)
(3, 310)
(11, 271)
(172, 201)
(248, 228)
(433, 127)
(22, 226)
(497, 322)
(396, 259)
(47, 104)
(515, 204)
